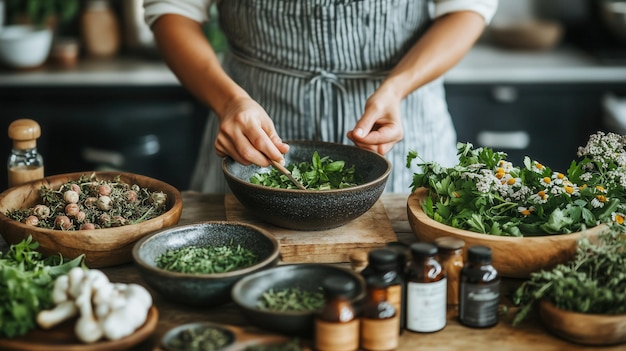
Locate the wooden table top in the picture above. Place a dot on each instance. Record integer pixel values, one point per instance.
(530, 335)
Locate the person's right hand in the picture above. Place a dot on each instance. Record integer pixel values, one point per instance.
(247, 134)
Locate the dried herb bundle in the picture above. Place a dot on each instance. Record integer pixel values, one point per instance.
(90, 203)
(291, 299)
(594, 282)
(206, 260)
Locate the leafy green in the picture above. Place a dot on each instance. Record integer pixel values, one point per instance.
(26, 281)
(487, 194)
(322, 173)
(593, 282)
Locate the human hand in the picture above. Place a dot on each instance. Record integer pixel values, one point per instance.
(247, 134)
(380, 127)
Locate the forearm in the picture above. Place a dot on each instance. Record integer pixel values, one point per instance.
(448, 39)
(189, 55)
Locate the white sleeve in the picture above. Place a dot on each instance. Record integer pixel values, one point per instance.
(485, 8)
(197, 10)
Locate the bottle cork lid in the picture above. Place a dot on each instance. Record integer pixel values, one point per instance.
(24, 133)
(358, 260)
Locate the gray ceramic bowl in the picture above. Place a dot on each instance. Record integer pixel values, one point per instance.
(307, 276)
(202, 289)
(311, 209)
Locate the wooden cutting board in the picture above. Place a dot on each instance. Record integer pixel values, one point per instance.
(369, 231)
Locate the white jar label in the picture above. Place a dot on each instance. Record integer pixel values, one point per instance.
(426, 306)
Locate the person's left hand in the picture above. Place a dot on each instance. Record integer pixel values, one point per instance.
(380, 127)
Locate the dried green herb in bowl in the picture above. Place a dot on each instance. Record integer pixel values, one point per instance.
(291, 299)
(92, 203)
(206, 259)
(198, 337)
(291, 345)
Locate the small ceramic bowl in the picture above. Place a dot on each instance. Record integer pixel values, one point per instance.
(311, 209)
(24, 46)
(307, 276)
(582, 328)
(179, 338)
(202, 289)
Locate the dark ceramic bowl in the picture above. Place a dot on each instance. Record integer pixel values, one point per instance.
(306, 276)
(171, 341)
(202, 289)
(311, 209)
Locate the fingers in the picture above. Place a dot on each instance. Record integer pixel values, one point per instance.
(380, 127)
(247, 134)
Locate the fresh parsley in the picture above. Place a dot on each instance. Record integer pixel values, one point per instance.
(26, 281)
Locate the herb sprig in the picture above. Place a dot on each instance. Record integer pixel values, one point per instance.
(322, 173)
(487, 194)
(26, 280)
(593, 282)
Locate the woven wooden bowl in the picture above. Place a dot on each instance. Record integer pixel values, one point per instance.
(512, 256)
(102, 247)
(582, 328)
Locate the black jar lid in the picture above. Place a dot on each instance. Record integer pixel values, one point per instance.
(383, 259)
(423, 250)
(338, 286)
(479, 254)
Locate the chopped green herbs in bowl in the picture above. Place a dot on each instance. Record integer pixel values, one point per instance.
(343, 182)
(262, 296)
(197, 264)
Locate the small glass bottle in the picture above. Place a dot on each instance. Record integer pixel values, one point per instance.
(379, 319)
(479, 290)
(337, 324)
(383, 265)
(451, 258)
(426, 290)
(25, 163)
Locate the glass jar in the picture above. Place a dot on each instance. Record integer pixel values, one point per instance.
(426, 290)
(451, 258)
(379, 318)
(337, 325)
(25, 163)
(479, 289)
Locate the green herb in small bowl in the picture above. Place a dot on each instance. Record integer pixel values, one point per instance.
(292, 299)
(207, 260)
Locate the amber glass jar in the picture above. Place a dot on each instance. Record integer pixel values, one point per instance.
(379, 319)
(479, 289)
(383, 265)
(426, 290)
(451, 258)
(337, 324)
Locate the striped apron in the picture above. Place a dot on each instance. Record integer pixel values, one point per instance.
(312, 64)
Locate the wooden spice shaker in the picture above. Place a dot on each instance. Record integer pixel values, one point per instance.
(451, 259)
(100, 29)
(25, 163)
(337, 325)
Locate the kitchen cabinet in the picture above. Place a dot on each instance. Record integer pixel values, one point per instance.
(149, 130)
(546, 121)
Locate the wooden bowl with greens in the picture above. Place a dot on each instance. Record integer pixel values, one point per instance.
(343, 182)
(76, 218)
(197, 264)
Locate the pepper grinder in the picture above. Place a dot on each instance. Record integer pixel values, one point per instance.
(25, 163)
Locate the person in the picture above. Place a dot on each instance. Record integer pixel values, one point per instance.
(361, 72)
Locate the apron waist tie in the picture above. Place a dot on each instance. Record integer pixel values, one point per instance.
(321, 81)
